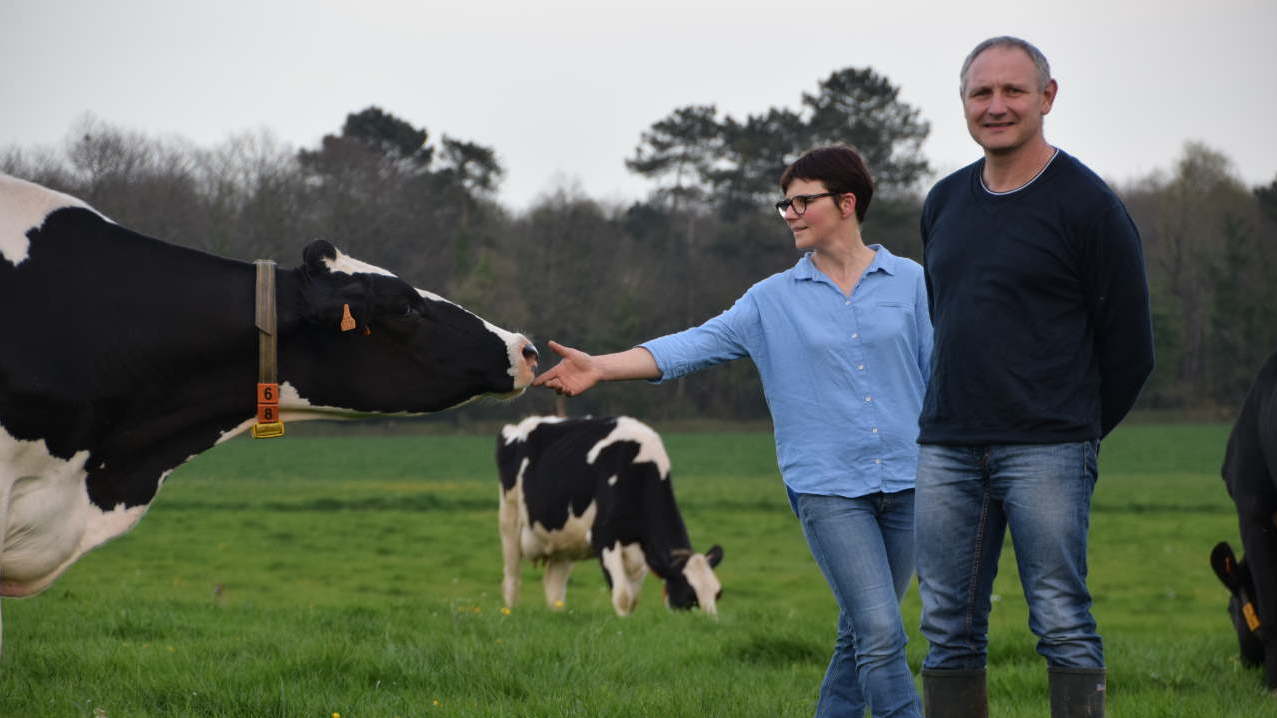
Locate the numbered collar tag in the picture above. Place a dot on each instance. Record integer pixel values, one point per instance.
(268, 425)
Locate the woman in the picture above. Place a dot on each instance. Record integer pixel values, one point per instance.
(842, 342)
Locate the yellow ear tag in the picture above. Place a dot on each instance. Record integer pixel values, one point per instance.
(1252, 618)
(347, 321)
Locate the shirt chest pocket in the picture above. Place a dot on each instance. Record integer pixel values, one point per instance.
(889, 317)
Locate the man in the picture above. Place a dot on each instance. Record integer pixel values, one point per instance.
(1042, 342)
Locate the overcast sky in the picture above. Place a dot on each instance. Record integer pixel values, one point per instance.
(562, 90)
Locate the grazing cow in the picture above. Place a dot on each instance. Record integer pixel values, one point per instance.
(576, 488)
(1235, 575)
(124, 357)
(1250, 472)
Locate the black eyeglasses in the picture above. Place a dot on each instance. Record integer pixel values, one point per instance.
(800, 201)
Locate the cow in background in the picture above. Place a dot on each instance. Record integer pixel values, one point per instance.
(572, 489)
(1250, 472)
(124, 357)
(1235, 575)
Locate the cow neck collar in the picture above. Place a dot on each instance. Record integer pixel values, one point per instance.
(268, 423)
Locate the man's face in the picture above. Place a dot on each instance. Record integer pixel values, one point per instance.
(1003, 101)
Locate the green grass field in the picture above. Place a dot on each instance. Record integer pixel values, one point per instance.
(360, 576)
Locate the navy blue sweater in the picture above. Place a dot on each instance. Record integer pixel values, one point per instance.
(1040, 307)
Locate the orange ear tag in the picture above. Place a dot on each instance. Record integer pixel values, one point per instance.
(347, 321)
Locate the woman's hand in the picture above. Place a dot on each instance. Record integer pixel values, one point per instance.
(575, 373)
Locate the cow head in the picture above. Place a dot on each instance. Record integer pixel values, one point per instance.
(1235, 575)
(692, 582)
(370, 342)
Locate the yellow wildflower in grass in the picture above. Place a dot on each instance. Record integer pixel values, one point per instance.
(438, 703)
(505, 611)
(558, 604)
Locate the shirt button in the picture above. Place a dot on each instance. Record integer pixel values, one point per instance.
(856, 335)
(846, 303)
(869, 398)
(877, 461)
(861, 367)
(875, 430)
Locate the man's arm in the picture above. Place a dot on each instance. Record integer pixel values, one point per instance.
(1121, 318)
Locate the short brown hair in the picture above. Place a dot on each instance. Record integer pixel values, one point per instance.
(840, 168)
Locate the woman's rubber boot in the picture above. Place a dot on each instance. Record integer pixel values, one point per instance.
(954, 693)
(1077, 692)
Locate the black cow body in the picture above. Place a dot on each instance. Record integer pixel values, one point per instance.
(125, 356)
(1250, 472)
(572, 489)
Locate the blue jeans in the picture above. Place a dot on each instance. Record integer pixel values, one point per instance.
(967, 496)
(865, 548)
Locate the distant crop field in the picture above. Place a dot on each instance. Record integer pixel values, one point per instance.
(360, 576)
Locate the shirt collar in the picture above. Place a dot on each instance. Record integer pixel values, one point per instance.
(883, 260)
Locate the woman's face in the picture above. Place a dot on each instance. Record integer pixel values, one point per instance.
(822, 218)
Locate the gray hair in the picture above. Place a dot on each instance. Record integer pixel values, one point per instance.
(1006, 41)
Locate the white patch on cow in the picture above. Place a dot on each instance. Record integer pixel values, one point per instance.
(650, 447)
(23, 207)
(511, 433)
(347, 264)
(538, 543)
(700, 575)
(292, 407)
(46, 518)
(295, 407)
(627, 566)
(572, 541)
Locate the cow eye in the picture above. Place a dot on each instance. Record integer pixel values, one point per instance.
(407, 310)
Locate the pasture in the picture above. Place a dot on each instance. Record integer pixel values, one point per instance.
(360, 576)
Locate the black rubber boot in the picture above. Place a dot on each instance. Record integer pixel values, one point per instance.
(954, 693)
(1077, 692)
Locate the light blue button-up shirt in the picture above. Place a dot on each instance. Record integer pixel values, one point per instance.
(843, 375)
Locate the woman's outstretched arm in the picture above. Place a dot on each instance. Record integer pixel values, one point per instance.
(577, 371)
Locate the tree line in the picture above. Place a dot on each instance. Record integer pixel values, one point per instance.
(603, 276)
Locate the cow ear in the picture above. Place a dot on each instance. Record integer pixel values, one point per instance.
(714, 555)
(339, 301)
(1225, 565)
(316, 253)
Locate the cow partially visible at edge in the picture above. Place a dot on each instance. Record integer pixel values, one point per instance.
(1250, 473)
(125, 357)
(572, 489)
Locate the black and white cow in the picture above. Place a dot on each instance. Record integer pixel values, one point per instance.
(123, 357)
(1250, 472)
(572, 489)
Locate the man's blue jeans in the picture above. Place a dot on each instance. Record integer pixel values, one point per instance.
(865, 548)
(967, 496)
